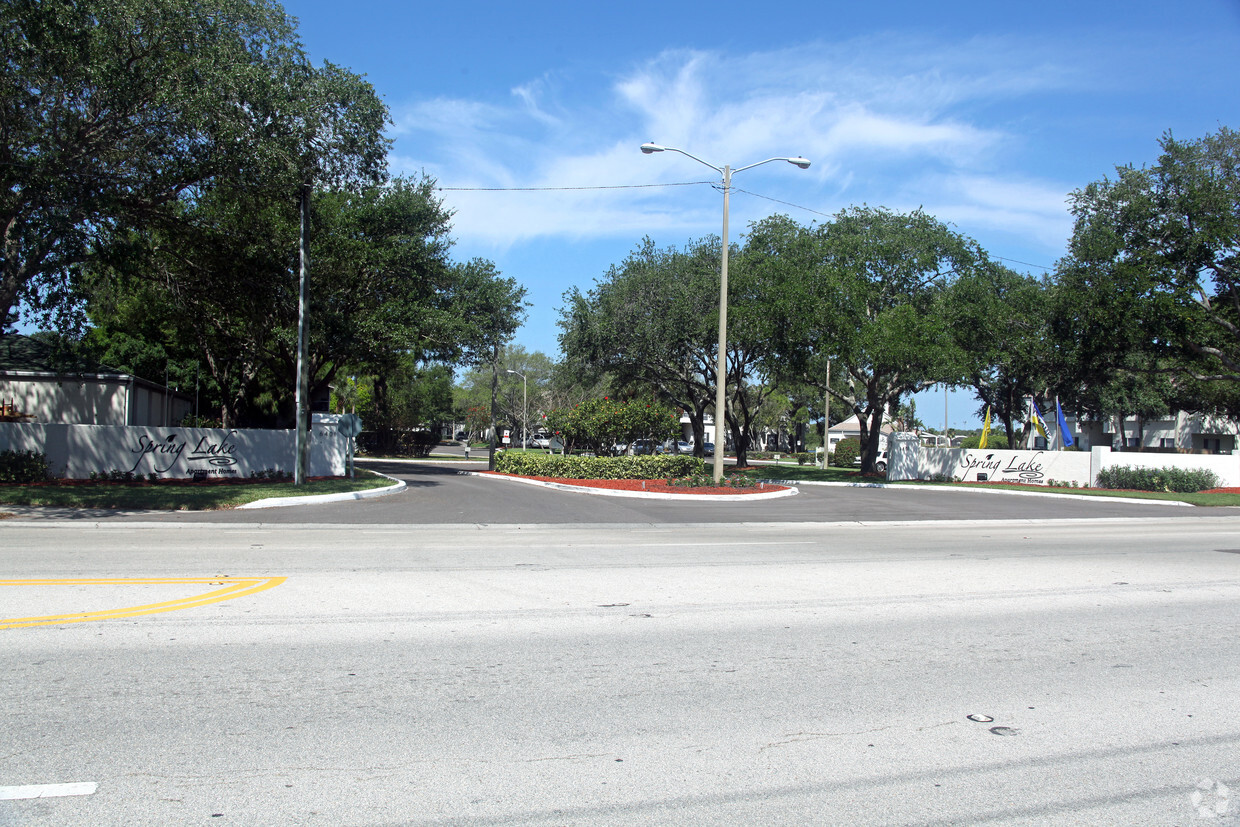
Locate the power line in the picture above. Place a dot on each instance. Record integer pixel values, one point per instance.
(566, 189)
(785, 203)
(680, 184)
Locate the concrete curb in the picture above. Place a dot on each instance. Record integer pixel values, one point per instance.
(980, 490)
(281, 502)
(647, 495)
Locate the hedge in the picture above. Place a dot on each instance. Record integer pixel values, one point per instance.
(23, 466)
(846, 453)
(1177, 480)
(661, 467)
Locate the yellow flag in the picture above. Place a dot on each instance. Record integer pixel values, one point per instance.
(985, 430)
(1036, 418)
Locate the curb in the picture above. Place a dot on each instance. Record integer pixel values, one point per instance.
(281, 502)
(646, 495)
(980, 490)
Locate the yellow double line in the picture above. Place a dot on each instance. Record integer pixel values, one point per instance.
(232, 588)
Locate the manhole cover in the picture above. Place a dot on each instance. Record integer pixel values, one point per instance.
(981, 719)
(1003, 730)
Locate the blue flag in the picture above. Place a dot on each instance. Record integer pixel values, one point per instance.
(1064, 433)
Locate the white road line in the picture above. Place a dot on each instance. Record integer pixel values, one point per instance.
(47, 790)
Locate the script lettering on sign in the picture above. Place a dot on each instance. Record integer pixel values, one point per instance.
(1020, 466)
(169, 450)
(219, 455)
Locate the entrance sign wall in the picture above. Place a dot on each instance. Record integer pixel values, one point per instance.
(76, 451)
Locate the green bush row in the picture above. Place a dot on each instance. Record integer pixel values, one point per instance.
(661, 467)
(1177, 480)
(846, 453)
(23, 466)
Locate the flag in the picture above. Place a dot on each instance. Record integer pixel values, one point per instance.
(1036, 419)
(985, 430)
(1064, 434)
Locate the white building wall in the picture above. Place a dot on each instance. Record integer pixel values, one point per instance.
(84, 401)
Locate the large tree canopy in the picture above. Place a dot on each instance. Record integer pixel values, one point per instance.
(117, 113)
(651, 321)
(868, 293)
(1154, 265)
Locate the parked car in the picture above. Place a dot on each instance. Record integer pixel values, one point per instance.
(461, 436)
(880, 466)
(643, 446)
(541, 440)
(708, 449)
(683, 447)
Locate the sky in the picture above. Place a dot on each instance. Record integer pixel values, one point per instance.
(986, 115)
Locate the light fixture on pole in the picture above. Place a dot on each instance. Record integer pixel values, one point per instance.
(721, 367)
(525, 410)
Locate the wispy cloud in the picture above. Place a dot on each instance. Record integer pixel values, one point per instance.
(885, 121)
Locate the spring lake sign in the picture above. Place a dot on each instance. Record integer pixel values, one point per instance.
(211, 456)
(1028, 467)
(77, 451)
(910, 460)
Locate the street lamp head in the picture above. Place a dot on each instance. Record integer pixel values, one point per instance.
(803, 163)
(652, 147)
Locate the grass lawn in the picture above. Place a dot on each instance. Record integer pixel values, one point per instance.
(809, 473)
(177, 495)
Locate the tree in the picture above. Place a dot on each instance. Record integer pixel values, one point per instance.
(114, 112)
(651, 321)
(514, 397)
(1001, 321)
(598, 423)
(867, 294)
(1154, 265)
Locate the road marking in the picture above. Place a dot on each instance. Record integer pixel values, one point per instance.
(233, 588)
(47, 790)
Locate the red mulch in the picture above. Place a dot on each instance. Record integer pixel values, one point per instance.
(652, 486)
(1222, 491)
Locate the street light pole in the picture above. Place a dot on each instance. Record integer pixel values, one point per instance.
(721, 364)
(525, 410)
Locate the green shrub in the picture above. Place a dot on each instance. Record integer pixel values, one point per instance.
(802, 458)
(846, 453)
(996, 441)
(24, 466)
(663, 466)
(1176, 480)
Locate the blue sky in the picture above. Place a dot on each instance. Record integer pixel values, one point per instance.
(985, 116)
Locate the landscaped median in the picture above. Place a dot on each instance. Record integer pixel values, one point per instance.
(663, 477)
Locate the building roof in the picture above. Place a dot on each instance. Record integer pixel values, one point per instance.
(851, 426)
(44, 354)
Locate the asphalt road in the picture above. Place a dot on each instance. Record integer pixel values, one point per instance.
(438, 494)
(606, 662)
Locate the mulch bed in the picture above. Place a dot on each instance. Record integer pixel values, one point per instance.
(652, 486)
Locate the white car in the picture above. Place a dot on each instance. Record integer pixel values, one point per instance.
(880, 466)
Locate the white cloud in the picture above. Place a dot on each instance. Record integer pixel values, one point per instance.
(882, 120)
